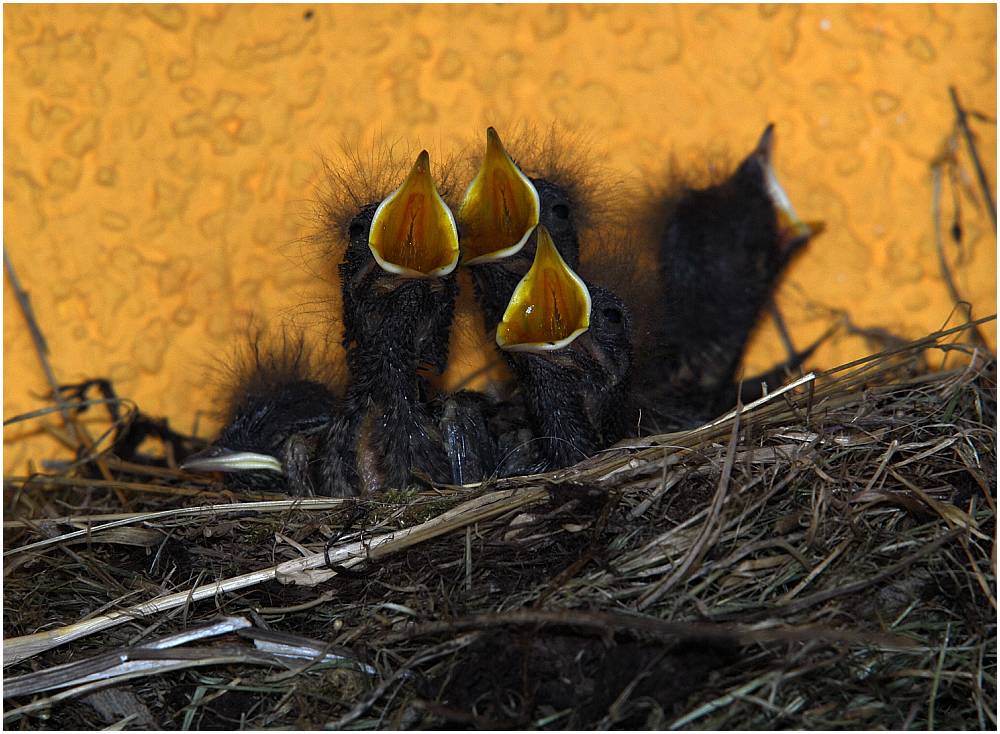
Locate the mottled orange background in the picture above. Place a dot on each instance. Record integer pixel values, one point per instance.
(160, 161)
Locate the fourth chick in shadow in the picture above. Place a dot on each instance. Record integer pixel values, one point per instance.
(721, 251)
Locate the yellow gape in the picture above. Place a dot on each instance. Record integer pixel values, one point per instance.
(500, 207)
(550, 306)
(413, 232)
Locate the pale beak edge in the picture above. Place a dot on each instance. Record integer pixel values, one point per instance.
(226, 460)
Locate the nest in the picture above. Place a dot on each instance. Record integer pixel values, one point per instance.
(822, 559)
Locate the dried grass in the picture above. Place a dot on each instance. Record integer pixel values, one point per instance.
(825, 559)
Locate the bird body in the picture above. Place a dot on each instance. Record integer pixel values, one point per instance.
(721, 251)
(399, 291)
(657, 327)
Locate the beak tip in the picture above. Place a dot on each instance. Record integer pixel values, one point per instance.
(765, 146)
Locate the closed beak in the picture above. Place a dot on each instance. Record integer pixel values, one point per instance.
(217, 458)
(793, 232)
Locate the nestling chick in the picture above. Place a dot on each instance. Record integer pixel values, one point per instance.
(721, 250)
(398, 299)
(276, 417)
(500, 209)
(569, 345)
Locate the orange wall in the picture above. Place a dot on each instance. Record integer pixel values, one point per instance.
(159, 161)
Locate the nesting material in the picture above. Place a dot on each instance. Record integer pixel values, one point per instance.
(824, 559)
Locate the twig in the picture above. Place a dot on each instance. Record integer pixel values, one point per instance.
(241, 507)
(604, 621)
(403, 671)
(77, 431)
(41, 346)
(936, 682)
(107, 664)
(709, 531)
(152, 662)
(779, 322)
(942, 261)
(865, 583)
(961, 118)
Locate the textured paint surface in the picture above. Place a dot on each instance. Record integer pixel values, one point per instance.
(160, 161)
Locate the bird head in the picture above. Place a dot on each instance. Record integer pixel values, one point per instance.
(757, 172)
(500, 207)
(397, 274)
(574, 336)
(276, 411)
(412, 231)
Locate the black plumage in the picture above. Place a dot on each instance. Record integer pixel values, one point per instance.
(721, 249)
(276, 415)
(398, 290)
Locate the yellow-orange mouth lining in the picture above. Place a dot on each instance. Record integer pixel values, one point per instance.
(413, 232)
(500, 207)
(549, 308)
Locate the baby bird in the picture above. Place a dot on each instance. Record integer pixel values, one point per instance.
(721, 251)
(398, 300)
(498, 213)
(569, 344)
(275, 421)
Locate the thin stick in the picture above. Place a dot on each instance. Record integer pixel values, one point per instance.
(942, 261)
(864, 583)
(77, 431)
(275, 506)
(661, 628)
(709, 531)
(963, 125)
(41, 346)
(779, 322)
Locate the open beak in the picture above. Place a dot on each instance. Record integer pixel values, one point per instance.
(217, 458)
(413, 232)
(793, 232)
(550, 306)
(500, 207)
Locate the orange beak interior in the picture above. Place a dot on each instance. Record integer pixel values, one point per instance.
(500, 207)
(413, 232)
(550, 306)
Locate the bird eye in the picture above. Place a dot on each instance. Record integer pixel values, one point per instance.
(561, 211)
(613, 315)
(355, 230)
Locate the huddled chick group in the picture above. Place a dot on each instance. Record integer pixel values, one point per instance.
(649, 338)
